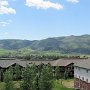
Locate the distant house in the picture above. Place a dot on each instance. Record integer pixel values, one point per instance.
(66, 65)
(82, 75)
(5, 64)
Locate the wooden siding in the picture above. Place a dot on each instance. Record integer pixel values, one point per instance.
(81, 85)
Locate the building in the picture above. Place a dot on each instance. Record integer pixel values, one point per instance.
(66, 65)
(82, 75)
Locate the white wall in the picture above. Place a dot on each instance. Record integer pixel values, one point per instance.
(82, 73)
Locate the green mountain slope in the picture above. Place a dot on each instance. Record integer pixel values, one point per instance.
(68, 44)
(12, 44)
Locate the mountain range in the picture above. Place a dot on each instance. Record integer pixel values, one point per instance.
(65, 44)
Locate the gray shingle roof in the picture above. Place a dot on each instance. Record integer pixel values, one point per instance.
(66, 62)
(84, 64)
(59, 62)
(8, 63)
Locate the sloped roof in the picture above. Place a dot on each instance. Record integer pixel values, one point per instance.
(65, 62)
(59, 62)
(62, 63)
(39, 62)
(8, 63)
(85, 64)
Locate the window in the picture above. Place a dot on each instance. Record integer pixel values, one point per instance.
(79, 68)
(76, 76)
(87, 80)
(79, 77)
(83, 78)
(87, 71)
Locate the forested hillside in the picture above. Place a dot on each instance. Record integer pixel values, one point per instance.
(67, 44)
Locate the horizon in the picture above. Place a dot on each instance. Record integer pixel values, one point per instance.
(41, 19)
(45, 38)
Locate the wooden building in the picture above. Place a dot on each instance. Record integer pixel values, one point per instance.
(64, 64)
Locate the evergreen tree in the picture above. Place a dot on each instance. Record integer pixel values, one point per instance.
(49, 70)
(1, 74)
(8, 80)
(65, 74)
(17, 72)
(44, 80)
(40, 67)
(11, 71)
(26, 79)
(57, 72)
(34, 77)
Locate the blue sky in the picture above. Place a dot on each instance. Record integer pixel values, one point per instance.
(40, 19)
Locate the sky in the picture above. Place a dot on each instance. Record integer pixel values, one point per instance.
(40, 19)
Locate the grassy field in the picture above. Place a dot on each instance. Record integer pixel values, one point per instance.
(66, 85)
(2, 86)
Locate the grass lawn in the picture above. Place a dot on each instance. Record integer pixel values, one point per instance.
(16, 85)
(62, 88)
(66, 85)
(2, 86)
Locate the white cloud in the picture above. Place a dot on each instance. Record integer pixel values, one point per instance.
(5, 23)
(5, 8)
(43, 4)
(73, 1)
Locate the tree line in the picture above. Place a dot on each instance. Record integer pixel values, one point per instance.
(30, 77)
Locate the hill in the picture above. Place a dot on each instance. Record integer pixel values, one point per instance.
(13, 44)
(67, 44)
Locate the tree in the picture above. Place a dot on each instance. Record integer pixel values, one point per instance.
(17, 72)
(40, 67)
(49, 70)
(11, 71)
(34, 77)
(1, 74)
(57, 72)
(44, 80)
(65, 74)
(8, 80)
(26, 79)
